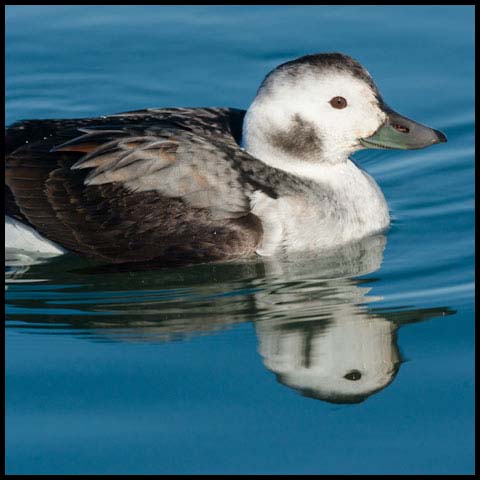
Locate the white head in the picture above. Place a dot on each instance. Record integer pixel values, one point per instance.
(318, 109)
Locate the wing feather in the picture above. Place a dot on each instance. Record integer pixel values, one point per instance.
(157, 184)
(176, 164)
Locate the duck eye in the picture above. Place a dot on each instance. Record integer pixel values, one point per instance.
(338, 102)
(353, 375)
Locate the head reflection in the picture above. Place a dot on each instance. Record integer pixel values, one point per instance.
(336, 360)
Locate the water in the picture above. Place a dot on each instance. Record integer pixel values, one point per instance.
(240, 368)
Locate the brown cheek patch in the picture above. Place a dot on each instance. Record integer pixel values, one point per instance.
(301, 139)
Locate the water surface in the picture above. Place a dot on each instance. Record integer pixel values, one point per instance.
(360, 361)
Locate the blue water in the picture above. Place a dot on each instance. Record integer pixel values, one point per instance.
(239, 368)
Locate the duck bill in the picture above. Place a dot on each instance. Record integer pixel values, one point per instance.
(400, 132)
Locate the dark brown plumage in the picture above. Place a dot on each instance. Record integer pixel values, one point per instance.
(164, 186)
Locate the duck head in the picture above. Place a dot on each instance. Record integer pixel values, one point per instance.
(321, 108)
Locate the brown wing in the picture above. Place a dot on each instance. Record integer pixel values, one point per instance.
(134, 187)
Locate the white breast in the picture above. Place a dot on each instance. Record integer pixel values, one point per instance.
(347, 205)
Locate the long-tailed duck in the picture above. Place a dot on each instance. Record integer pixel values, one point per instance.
(202, 184)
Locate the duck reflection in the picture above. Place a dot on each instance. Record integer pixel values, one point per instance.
(336, 347)
(316, 324)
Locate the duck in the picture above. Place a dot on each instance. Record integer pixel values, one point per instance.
(189, 185)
